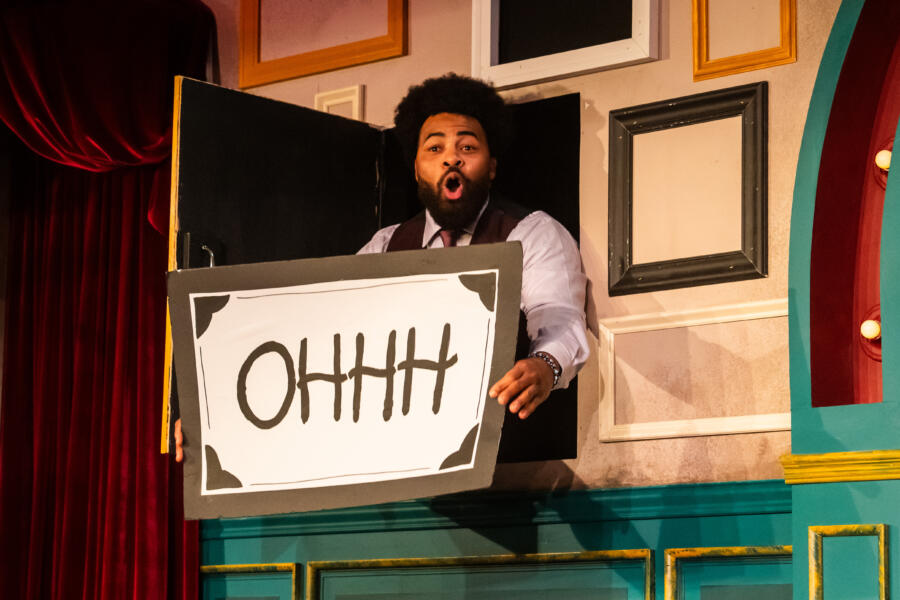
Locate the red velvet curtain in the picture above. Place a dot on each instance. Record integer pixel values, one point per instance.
(88, 506)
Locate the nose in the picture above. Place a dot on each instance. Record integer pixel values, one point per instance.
(452, 159)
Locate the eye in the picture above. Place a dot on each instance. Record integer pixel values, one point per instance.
(433, 148)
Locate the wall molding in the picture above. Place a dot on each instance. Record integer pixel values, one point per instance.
(316, 569)
(816, 556)
(610, 431)
(871, 465)
(516, 509)
(674, 557)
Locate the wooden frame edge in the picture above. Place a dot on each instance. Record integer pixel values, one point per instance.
(172, 262)
(870, 465)
(314, 569)
(673, 556)
(816, 564)
(253, 72)
(750, 103)
(293, 568)
(706, 68)
(609, 328)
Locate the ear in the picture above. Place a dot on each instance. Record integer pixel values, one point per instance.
(493, 171)
(416, 170)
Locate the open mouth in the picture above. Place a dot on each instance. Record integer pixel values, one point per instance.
(453, 186)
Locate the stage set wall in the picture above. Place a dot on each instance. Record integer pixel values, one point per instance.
(724, 493)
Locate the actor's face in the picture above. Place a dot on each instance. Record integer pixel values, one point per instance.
(454, 168)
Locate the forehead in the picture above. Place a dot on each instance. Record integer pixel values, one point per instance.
(451, 124)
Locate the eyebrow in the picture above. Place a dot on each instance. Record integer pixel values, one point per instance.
(442, 134)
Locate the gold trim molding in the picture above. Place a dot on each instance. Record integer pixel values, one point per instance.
(674, 556)
(871, 465)
(707, 68)
(314, 569)
(816, 567)
(292, 568)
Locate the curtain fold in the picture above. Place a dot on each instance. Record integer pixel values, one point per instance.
(88, 506)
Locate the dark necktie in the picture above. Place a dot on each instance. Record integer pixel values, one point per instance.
(449, 237)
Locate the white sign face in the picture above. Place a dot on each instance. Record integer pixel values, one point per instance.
(369, 399)
(333, 390)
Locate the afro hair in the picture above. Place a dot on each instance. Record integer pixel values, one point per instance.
(456, 94)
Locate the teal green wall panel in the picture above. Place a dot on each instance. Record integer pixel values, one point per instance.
(736, 579)
(868, 502)
(523, 582)
(850, 567)
(890, 289)
(246, 586)
(729, 514)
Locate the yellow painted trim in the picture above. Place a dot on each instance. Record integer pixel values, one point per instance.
(841, 466)
(293, 568)
(674, 556)
(172, 264)
(816, 566)
(706, 68)
(314, 569)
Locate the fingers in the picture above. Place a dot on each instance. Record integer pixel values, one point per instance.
(524, 387)
(179, 442)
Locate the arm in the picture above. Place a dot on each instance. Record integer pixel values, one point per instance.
(553, 294)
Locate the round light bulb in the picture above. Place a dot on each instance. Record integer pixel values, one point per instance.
(870, 329)
(883, 160)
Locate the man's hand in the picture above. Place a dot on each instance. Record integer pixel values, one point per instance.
(179, 442)
(524, 387)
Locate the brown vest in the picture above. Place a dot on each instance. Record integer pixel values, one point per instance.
(495, 225)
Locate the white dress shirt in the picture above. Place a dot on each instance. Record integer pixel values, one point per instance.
(553, 284)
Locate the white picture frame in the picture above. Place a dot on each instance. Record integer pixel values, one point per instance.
(643, 46)
(610, 431)
(355, 95)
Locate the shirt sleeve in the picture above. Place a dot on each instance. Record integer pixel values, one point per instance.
(553, 292)
(379, 241)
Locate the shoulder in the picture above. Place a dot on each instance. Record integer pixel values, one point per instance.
(538, 223)
(379, 241)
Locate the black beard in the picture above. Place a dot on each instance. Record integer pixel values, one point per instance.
(459, 213)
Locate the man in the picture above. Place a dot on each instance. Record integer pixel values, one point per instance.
(454, 130)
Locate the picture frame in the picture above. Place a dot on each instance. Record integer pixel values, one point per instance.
(707, 68)
(816, 537)
(316, 571)
(253, 71)
(750, 103)
(610, 431)
(354, 95)
(642, 46)
(675, 557)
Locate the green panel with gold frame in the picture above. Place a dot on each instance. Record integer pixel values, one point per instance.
(255, 578)
(817, 535)
(625, 574)
(724, 557)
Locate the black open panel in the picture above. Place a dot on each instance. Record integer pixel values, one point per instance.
(260, 180)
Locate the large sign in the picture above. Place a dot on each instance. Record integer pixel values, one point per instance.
(342, 381)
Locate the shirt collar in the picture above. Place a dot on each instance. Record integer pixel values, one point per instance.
(432, 228)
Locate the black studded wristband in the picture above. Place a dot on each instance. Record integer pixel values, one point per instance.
(551, 362)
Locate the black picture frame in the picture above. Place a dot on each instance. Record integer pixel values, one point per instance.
(750, 102)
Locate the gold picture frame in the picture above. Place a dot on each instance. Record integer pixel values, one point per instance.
(817, 533)
(292, 568)
(674, 556)
(252, 71)
(314, 569)
(707, 68)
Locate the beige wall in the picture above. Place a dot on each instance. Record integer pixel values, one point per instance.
(439, 41)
